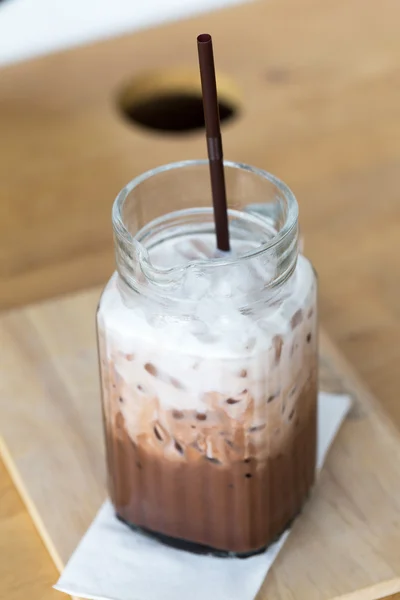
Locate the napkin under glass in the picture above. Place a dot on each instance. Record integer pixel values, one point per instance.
(114, 562)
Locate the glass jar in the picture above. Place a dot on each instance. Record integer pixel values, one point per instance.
(209, 360)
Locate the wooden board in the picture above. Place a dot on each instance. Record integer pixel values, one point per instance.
(346, 539)
(319, 105)
(20, 545)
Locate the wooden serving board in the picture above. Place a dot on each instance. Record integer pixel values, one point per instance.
(347, 539)
(316, 87)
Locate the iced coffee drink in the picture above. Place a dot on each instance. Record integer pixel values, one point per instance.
(209, 378)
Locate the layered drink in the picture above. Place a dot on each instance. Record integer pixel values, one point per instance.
(209, 381)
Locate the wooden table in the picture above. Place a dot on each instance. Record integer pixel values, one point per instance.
(329, 104)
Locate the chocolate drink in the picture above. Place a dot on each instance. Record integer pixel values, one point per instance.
(211, 421)
(237, 506)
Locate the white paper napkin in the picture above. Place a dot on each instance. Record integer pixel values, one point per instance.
(112, 562)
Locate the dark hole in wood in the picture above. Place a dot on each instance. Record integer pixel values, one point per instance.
(175, 112)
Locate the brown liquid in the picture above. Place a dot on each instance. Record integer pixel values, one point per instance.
(240, 505)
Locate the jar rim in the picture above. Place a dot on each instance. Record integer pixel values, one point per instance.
(290, 221)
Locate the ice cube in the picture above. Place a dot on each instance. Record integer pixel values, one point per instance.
(196, 284)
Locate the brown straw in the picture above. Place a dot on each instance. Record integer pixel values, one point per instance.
(214, 141)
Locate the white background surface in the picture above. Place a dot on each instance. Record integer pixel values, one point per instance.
(32, 27)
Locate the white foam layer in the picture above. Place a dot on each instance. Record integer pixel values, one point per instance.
(210, 349)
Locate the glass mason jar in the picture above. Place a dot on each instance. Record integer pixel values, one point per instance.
(209, 360)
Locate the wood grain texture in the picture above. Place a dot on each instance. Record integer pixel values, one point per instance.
(25, 571)
(374, 592)
(319, 107)
(347, 536)
(319, 87)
